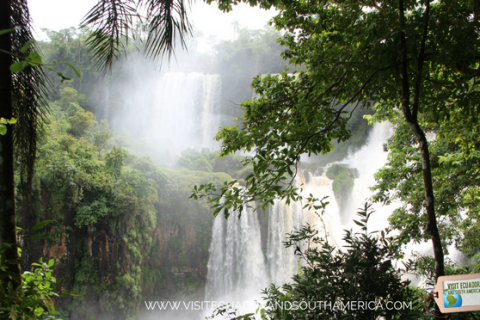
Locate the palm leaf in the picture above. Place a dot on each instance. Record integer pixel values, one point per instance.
(30, 89)
(167, 21)
(113, 20)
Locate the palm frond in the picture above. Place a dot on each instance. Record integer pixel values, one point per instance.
(30, 90)
(111, 21)
(167, 21)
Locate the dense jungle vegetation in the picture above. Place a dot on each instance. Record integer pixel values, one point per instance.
(124, 230)
(123, 227)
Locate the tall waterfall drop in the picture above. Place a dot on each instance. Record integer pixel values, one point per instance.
(187, 109)
(179, 111)
(238, 268)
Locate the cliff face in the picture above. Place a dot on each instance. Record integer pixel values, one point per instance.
(116, 267)
(124, 229)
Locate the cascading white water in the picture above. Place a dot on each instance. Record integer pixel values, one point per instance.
(282, 219)
(367, 160)
(236, 268)
(320, 186)
(170, 112)
(225, 265)
(186, 110)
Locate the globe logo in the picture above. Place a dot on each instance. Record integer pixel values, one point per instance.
(451, 299)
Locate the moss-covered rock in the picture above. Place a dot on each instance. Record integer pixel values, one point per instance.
(343, 180)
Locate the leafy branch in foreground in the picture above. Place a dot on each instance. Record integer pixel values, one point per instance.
(33, 297)
(3, 124)
(33, 59)
(290, 118)
(419, 58)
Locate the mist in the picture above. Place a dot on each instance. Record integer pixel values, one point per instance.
(169, 106)
(164, 115)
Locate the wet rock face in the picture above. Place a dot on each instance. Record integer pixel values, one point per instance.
(94, 261)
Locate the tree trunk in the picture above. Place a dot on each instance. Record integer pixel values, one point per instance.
(7, 186)
(411, 116)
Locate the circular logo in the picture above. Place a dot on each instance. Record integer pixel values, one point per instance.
(451, 299)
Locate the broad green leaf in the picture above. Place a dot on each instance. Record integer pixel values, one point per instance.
(40, 225)
(40, 237)
(3, 129)
(74, 69)
(359, 223)
(4, 31)
(34, 58)
(25, 47)
(30, 303)
(18, 66)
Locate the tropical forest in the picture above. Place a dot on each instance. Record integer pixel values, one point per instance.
(324, 166)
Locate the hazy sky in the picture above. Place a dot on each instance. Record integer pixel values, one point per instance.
(59, 14)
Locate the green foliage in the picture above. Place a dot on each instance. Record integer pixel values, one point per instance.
(176, 244)
(343, 180)
(86, 272)
(202, 164)
(69, 45)
(3, 124)
(455, 181)
(359, 128)
(71, 182)
(68, 97)
(211, 162)
(67, 143)
(90, 214)
(101, 139)
(32, 299)
(183, 260)
(336, 169)
(229, 164)
(114, 161)
(184, 162)
(80, 122)
(33, 59)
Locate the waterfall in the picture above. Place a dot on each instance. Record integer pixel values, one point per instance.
(282, 219)
(236, 260)
(321, 186)
(186, 110)
(170, 112)
(236, 267)
(367, 160)
(106, 109)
